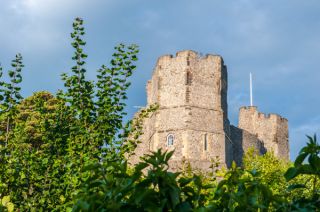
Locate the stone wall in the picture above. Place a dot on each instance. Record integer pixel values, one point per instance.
(242, 142)
(271, 129)
(191, 92)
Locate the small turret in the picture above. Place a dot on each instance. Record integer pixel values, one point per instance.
(271, 129)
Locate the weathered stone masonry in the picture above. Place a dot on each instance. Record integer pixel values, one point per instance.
(192, 118)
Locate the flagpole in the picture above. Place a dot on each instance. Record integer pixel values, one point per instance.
(251, 101)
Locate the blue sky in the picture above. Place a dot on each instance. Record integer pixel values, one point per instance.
(278, 41)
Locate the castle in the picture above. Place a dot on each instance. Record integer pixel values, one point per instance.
(192, 118)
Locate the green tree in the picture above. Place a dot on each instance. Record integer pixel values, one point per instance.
(307, 167)
(241, 190)
(32, 166)
(79, 91)
(111, 92)
(270, 167)
(10, 94)
(53, 138)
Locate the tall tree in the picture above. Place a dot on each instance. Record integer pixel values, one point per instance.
(112, 87)
(80, 91)
(10, 93)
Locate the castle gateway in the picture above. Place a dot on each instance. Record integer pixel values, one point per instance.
(192, 118)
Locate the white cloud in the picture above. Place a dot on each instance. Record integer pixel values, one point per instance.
(38, 25)
(45, 7)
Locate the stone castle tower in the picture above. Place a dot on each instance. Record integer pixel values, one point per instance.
(192, 118)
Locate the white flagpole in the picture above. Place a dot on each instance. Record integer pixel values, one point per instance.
(251, 101)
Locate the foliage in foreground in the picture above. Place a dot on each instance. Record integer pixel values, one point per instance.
(51, 157)
(151, 187)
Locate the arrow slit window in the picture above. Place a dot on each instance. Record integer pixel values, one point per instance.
(205, 142)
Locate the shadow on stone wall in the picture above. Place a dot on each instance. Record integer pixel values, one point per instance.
(242, 141)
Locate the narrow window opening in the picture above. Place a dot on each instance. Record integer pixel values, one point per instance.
(170, 140)
(205, 142)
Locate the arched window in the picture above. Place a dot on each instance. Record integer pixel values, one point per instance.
(205, 142)
(170, 140)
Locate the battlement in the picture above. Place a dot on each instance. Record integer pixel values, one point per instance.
(253, 110)
(187, 55)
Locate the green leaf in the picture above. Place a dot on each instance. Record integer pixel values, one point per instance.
(11, 73)
(184, 181)
(10, 207)
(314, 161)
(305, 169)
(168, 156)
(174, 196)
(301, 157)
(295, 186)
(5, 200)
(291, 173)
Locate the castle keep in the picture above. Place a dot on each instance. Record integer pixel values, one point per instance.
(192, 118)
